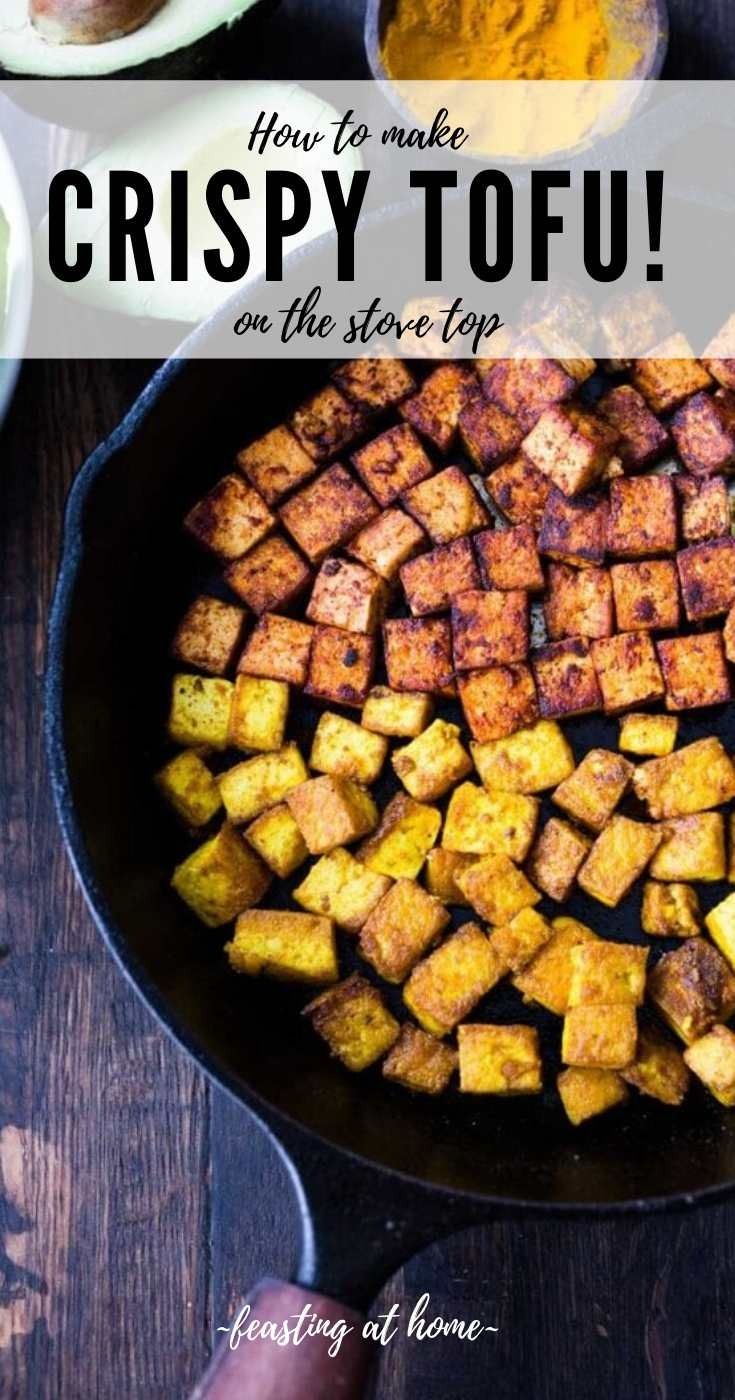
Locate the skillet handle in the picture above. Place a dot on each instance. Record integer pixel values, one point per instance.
(258, 1368)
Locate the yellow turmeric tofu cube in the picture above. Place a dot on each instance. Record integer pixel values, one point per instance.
(658, 1070)
(258, 783)
(499, 1060)
(388, 542)
(189, 787)
(277, 839)
(445, 987)
(721, 926)
(648, 734)
(692, 988)
(331, 812)
(396, 713)
(342, 888)
(695, 778)
(548, 977)
(221, 878)
(481, 822)
(420, 1062)
(287, 946)
(199, 714)
(528, 761)
(592, 792)
(670, 911)
(693, 848)
(406, 834)
(442, 869)
(587, 1092)
(712, 1059)
(431, 764)
(346, 749)
(618, 856)
(259, 713)
(557, 855)
(497, 890)
(599, 1037)
(608, 974)
(401, 928)
(354, 1021)
(347, 595)
(520, 940)
(208, 636)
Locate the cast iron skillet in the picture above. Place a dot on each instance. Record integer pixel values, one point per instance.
(378, 1173)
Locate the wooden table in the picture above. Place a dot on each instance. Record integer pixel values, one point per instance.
(137, 1204)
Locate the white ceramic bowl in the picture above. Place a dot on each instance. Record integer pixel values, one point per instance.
(14, 329)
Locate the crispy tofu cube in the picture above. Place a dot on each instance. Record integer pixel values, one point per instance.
(585, 1093)
(278, 648)
(230, 519)
(259, 713)
(354, 1021)
(341, 888)
(326, 423)
(189, 788)
(565, 679)
(481, 822)
(599, 1037)
(346, 749)
(558, 853)
(287, 946)
(331, 812)
(401, 928)
(420, 1062)
(642, 519)
(704, 432)
(431, 581)
(579, 603)
(499, 1060)
(716, 360)
(489, 435)
(520, 940)
(642, 439)
(693, 848)
(705, 508)
(707, 574)
(406, 834)
(418, 654)
(646, 596)
(199, 714)
(208, 636)
(431, 764)
(627, 670)
(277, 839)
(670, 911)
(392, 462)
(642, 314)
(269, 577)
(340, 666)
(712, 1059)
(592, 792)
(574, 530)
(618, 856)
(608, 974)
(520, 491)
(445, 987)
(648, 734)
(728, 635)
(509, 559)
(275, 464)
(498, 700)
(692, 988)
(258, 783)
(375, 384)
(695, 671)
(496, 889)
(442, 869)
(670, 375)
(388, 542)
(721, 926)
(658, 1070)
(489, 628)
(397, 714)
(529, 761)
(221, 878)
(446, 505)
(693, 779)
(571, 446)
(327, 513)
(434, 411)
(349, 596)
(524, 388)
(547, 978)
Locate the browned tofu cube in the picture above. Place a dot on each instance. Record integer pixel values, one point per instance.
(375, 384)
(524, 388)
(556, 857)
(722, 346)
(349, 596)
(392, 462)
(420, 1062)
(340, 666)
(547, 979)
(446, 505)
(331, 811)
(499, 1060)
(639, 315)
(627, 671)
(658, 1069)
(496, 889)
(707, 576)
(432, 580)
(520, 491)
(618, 856)
(642, 438)
(704, 432)
(670, 375)
(489, 628)
(279, 649)
(269, 577)
(275, 464)
(599, 1037)
(208, 635)
(692, 988)
(670, 911)
(509, 559)
(418, 654)
(231, 519)
(712, 1059)
(579, 603)
(570, 446)
(565, 679)
(434, 411)
(354, 1021)
(705, 508)
(695, 778)
(585, 1093)
(401, 928)
(592, 792)
(445, 987)
(574, 530)
(695, 671)
(326, 423)
(441, 870)
(489, 435)
(646, 596)
(498, 701)
(608, 974)
(520, 940)
(642, 518)
(388, 542)
(327, 513)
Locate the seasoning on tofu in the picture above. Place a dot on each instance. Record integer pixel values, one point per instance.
(592, 792)
(446, 506)
(405, 835)
(331, 812)
(405, 923)
(499, 1060)
(190, 789)
(208, 636)
(498, 700)
(342, 747)
(199, 713)
(221, 878)
(231, 519)
(482, 821)
(585, 1093)
(258, 783)
(354, 1021)
(712, 1059)
(692, 848)
(420, 1062)
(658, 1070)
(529, 761)
(692, 988)
(269, 577)
(496, 889)
(618, 856)
(670, 911)
(559, 851)
(343, 888)
(433, 762)
(695, 778)
(447, 985)
(290, 947)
